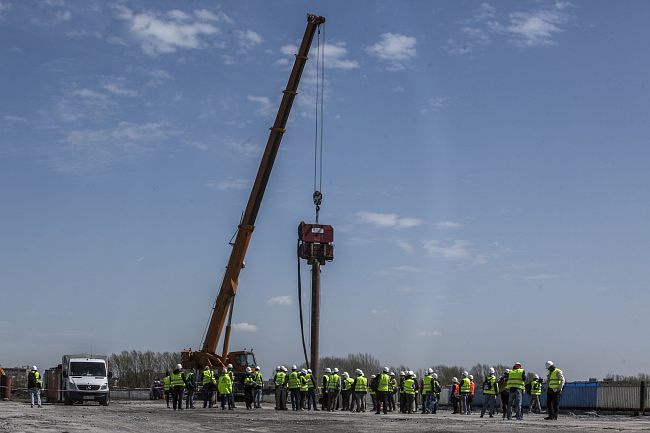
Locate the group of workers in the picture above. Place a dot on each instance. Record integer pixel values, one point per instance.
(386, 389)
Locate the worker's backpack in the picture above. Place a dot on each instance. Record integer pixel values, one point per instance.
(374, 383)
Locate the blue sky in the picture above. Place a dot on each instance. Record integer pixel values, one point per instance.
(485, 171)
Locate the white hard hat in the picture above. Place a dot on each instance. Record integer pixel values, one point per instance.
(465, 374)
(360, 373)
(386, 369)
(345, 373)
(225, 370)
(309, 370)
(336, 369)
(507, 370)
(435, 375)
(207, 367)
(357, 371)
(278, 368)
(392, 373)
(492, 370)
(257, 367)
(454, 379)
(293, 367)
(430, 370)
(284, 369)
(536, 377)
(471, 377)
(229, 365)
(178, 366)
(248, 370)
(411, 373)
(34, 367)
(549, 364)
(303, 371)
(401, 373)
(373, 376)
(328, 370)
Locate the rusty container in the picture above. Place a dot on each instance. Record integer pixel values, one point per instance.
(6, 383)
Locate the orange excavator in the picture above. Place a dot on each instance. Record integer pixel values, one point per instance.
(224, 303)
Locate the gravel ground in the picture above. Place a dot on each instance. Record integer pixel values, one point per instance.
(150, 417)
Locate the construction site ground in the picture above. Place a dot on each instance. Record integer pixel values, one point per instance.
(146, 417)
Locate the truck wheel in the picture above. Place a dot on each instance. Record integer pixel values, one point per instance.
(67, 401)
(104, 401)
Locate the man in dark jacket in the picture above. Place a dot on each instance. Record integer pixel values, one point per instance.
(190, 384)
(34, 385)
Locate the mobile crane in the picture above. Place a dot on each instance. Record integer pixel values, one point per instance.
(224, 303)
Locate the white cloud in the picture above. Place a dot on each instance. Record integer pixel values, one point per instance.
(244, 327)
(4, 6)
(10, 119)
(231, 183)
(387, 220)
(394, 48)
(407, 268)
(245, 148)
(280, 300)
(544, 277)
(219, 16)
(335, 57)
(448, 225)
(382, 311)
(228, 60)
(289, 50)
(435, 104)
(167, 33)
(530, 29)
(117, 89)
(249, 39)
(429, 333)
(405, 246)
(459, 250)
(88, 93)
(264, 106)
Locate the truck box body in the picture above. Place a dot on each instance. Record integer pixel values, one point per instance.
(84, 377)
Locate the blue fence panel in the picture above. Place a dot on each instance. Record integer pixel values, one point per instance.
(580, 395)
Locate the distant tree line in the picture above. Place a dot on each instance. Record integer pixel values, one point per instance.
(620, 379)
(137, 369)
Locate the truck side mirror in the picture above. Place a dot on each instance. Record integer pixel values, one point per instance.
(65, 374)
(110, 374)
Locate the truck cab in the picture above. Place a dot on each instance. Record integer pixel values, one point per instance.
(85, 378)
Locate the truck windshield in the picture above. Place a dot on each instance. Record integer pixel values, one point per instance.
(87, 369)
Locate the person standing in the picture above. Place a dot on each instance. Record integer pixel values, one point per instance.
(454, 395)
(516, 389)
(304, 381)
(34, 385)
(191, 388)
(383, 384)
(346, 390)
(360, 387)
(311, 391)
(280, 382)
(535, 393)
(248, 384)
(437, 389)
(391, 392)
(333, 388)
(372, 390)
(472, 389)
(231, 372)
(409, 392)
(167, 387)
(294, 388)
(504, 393)
(555, 384)
(209, 384)
(323, 388)
(426, 391)
(178, 387)
(490, 391)
(402, 396)
(259, 385)
(225, 390)
(465, 388)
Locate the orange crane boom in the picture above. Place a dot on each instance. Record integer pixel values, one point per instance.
(225, 299)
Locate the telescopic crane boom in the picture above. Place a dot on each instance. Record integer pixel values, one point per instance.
(226, 297)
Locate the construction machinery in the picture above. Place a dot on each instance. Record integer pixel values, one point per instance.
(223, 307)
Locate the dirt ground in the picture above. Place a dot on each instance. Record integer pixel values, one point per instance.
(154, 417)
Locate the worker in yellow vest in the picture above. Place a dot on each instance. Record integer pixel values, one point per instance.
(178, 387)
(167, 387)
(360, 387)
(248, 384)
(490, 391)
(225, 390)
(34, 386)
(465, 389)
(383, 387)
(516, 389)
(409, 391)
(294, 388)
(259, 385)
(323, 388)
(346, 391)
(209, 384)
(304, 386)
(555, 382)
(333, 389)
(280, 382)
(535, 393)
(392, 389)
(426, 391)
(311, 391)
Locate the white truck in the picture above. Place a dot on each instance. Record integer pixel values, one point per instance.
(84, 377)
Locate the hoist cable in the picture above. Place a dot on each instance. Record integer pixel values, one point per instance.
(302, 327)
(322, 111)
(318, 55)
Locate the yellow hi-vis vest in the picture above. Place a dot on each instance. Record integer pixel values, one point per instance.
(490, 380)
(553, 379)
(535, 388)
(177, 380)
(465, 385)
(280, 377)
(303, 383)
(516, 379)
(208, 377)
(409, 386)
(383, 382)
(310, 382)
(225, 384)
(333, 383)
(426, 384)
(257, 377)
(346, 384)
(361, 385)
(167, 383)
(294, 380)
